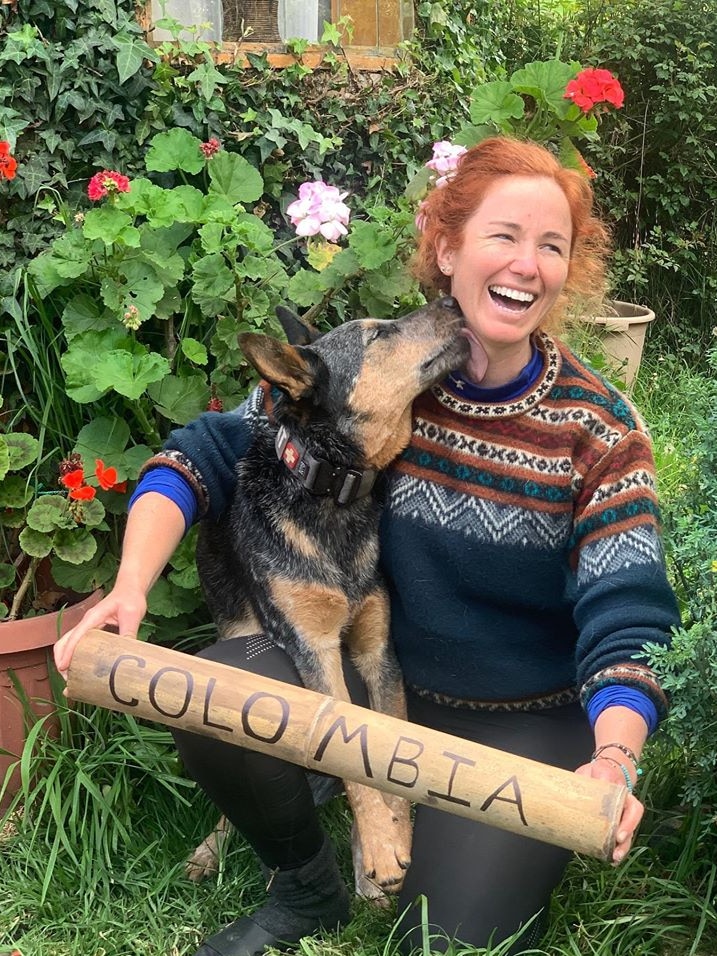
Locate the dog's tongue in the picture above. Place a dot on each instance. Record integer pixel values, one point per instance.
(477, 364)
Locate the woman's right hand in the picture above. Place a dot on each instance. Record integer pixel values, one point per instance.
(122, 609)
(155, 526)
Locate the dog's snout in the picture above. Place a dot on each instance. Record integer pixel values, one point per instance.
(449, 302)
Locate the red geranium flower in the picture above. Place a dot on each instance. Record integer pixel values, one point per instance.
(8, 164)
(73, 479)
(593, 86)
(107, 477)
(85, 493)
(107, 183)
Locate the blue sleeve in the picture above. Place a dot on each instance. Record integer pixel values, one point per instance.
(168, 482)
(618, 696)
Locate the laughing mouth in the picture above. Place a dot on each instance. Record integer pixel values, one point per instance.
(513, 299)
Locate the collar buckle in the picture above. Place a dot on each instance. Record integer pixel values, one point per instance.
(319, 476)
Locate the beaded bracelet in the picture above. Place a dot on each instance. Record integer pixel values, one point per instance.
(630, 754)
(625, 772)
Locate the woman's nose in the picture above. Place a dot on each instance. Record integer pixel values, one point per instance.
(525, 262)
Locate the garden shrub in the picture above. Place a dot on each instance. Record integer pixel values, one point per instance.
(657, 158)
(688, 670)
(66, 99)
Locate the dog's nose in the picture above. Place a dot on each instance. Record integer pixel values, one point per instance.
(449, 302)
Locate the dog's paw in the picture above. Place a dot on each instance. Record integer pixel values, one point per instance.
(369, 890)
(381, 856)
(204, 861)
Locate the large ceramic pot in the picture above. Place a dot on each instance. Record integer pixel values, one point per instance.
(25, 650)
(622, 332)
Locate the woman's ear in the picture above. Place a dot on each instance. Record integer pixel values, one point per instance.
(444, 256)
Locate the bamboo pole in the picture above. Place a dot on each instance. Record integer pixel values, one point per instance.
(347, 741)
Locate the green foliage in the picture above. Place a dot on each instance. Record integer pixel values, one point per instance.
(153, 286)
(688, 672)
(38, 521)
(531, 104)
(73, 83)
(680, 406)
(655, 160)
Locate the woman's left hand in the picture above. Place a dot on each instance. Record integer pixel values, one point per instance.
(632, 811)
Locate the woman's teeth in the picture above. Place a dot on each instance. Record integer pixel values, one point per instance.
(505, 293)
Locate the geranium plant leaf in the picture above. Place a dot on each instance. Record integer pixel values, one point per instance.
(129, 373)
(175, 149)
(195, 351)
(74, 546)
(35, 544)
(180, 398)
(213, 284)
(495, 103)
(50, 512)
(371, 244)
(15, 492)
(234, 179)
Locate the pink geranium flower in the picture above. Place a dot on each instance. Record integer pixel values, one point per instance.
(445, 159)
(107, 183)
(211, 147)
(319, 209)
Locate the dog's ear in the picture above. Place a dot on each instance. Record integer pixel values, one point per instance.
(297, 331)
(291, 369)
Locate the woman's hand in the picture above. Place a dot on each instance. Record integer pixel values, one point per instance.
(154, 529)
(632, 811)
(122, 609)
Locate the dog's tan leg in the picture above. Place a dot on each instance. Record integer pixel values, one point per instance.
(370, 648)
(317, 615)
(204, 861)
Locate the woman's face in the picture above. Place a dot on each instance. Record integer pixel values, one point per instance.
(509, 271)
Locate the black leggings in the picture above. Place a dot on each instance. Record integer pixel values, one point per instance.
(479, 882)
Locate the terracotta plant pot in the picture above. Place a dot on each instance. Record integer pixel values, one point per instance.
(622, 333)
(25, 650)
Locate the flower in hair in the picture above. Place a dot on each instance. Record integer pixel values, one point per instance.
(445, 157)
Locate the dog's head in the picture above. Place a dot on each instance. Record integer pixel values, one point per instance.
(362, 377)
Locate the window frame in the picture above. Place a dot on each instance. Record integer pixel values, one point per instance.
(369, 58)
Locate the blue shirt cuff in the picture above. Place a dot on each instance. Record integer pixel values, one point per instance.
(168, 482)
(617, 695)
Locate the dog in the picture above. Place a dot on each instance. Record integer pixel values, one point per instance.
(297, 558)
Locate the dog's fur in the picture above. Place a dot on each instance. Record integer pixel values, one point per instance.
(303, 568)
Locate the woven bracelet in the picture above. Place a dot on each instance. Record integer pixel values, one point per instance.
(630, 754)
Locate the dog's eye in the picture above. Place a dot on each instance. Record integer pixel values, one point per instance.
(380, 331)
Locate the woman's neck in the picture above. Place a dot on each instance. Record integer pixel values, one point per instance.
(504, 365)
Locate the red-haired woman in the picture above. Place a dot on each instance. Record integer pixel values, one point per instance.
(521, 547)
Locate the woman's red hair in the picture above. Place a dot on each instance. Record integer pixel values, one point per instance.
(447, 208)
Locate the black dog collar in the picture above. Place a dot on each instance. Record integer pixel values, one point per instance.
(321, 477)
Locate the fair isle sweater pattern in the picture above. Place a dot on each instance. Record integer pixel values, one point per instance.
(550, 502)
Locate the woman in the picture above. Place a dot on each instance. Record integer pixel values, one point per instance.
(521, 546)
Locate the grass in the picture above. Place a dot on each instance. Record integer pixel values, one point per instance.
(113, 884)
(92, 858)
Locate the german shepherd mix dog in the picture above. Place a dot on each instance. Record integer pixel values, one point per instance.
(298, 557)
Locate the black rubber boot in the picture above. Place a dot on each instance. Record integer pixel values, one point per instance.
(301, 901)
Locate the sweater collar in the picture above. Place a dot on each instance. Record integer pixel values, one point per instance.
(526, 391)
(527, 377)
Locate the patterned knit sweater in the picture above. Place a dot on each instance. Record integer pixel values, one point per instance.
(521, 544)
(520, 541)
